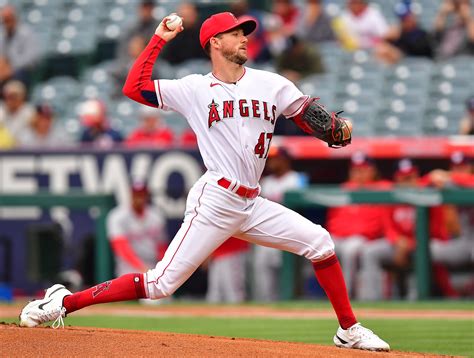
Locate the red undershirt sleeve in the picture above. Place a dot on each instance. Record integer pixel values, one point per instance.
(122, 248)
(139, 85)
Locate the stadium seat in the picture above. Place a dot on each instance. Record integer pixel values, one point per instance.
(193, 66)
(442, 123)
(390, 123)
(363, 120)
(59, 92)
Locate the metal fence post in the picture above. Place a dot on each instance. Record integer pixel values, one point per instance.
(102, 254)
(422, 253)
(287, 276)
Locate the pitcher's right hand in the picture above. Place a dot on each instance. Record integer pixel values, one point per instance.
(166, 34)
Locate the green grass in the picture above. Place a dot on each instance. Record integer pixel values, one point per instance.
(453, 337)
(387, 305)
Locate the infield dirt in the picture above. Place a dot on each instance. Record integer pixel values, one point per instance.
(88, 342)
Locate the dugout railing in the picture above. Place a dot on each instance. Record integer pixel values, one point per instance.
(421, 199)
(315, 196)
(75, 200)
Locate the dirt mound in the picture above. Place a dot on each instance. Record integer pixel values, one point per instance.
(88, 342)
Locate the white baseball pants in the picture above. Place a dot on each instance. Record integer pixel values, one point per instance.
(213, 214)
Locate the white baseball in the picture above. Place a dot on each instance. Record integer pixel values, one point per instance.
(173, 21)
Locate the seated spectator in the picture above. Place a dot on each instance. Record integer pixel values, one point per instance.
(19, 48)
(353, 226)
(454, 29)
(227, 273)
(285, 20)
(266, 261)
(121, 66)
(257, 45)
(397, 247)
(289, 15)
(152, 131)
(467, 123)
(317, 24)
(42, 133)
(364, 23)
(186, 46)
(97, 130)
(137, 233)
(6, 139)
(298, 60)
(15, 111)
(144, 26)
(405, 39)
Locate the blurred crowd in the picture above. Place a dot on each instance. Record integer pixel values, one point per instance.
(375, 244)
(288, 37)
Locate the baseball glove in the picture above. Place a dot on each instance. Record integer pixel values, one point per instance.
(329, 127)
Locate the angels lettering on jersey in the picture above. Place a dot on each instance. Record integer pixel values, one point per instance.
(245, 108)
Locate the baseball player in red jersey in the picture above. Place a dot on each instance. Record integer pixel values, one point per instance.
(233, 111)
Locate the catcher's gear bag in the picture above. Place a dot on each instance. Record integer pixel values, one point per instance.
(314, 119)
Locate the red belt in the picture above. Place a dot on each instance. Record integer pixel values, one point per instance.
(242, 190)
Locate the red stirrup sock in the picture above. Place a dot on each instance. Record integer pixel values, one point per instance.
(124, 288)
(330, 277)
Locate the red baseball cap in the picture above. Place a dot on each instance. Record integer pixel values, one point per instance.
(405, 168)
(222, 22)
(139, 186)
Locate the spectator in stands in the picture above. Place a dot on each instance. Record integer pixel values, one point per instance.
(406, 38)
(266, 262)
(19, 48)
(284, 24)
(144, 26)
(41, 132)
(354, 226)
(97, 130)
(396, 248)
(257, 45)
(299, 60)
(15, 111)
(289, 15)
(317, 24)
(454, 28)
(227, 272)
(364, 23)
(186, 47)
(121, 66)
(152, 131)
(6, 139)
(137, 232)
(467, 123)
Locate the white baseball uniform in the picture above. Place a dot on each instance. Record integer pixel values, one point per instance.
(234, 125)
(143, 232)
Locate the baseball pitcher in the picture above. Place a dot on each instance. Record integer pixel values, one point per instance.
(233, 111)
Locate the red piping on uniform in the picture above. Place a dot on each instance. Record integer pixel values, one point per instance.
(159, 91)
(299, 108)
(191, 222)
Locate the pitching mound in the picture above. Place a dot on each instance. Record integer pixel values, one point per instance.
(88, 342)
